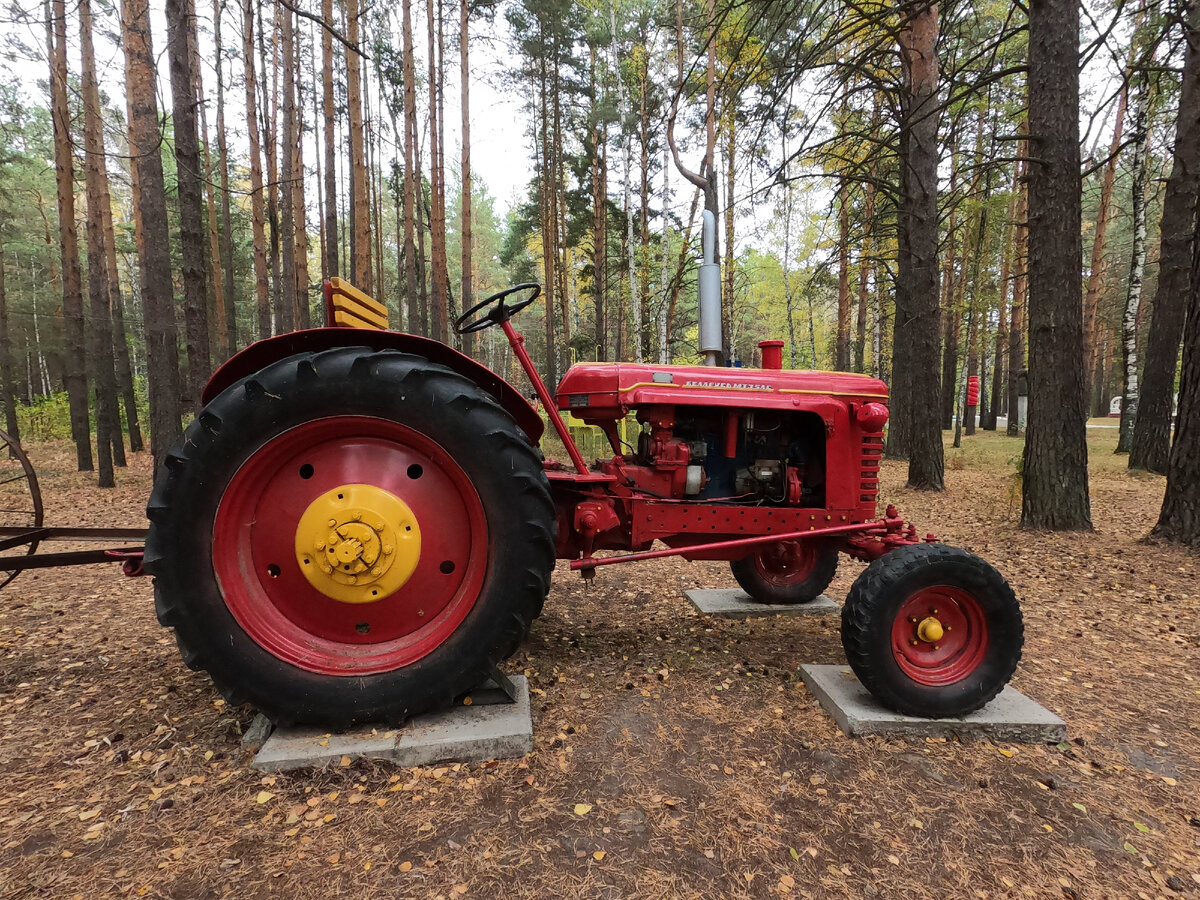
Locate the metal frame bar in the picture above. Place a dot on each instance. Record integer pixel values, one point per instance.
(12, 537)
(878, 526)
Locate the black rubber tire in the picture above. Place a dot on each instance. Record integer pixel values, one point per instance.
(763, 591)
(441, 404)
(878, 594)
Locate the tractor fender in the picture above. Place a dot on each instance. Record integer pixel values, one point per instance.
(313, 340)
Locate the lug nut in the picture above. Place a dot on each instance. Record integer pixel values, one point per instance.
(388, 549)
(376, 571)
(332, 523)
(357, 517)
(327, 569)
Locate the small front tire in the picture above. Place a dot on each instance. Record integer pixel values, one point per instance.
(932, 631)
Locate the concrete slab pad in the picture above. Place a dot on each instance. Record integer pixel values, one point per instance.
(472, 733)
(735, 603)
(1010, 717)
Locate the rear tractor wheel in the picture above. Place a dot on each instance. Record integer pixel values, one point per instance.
(932, 631)
(786, 573)
(350, 536)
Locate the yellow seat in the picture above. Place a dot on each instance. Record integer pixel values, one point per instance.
(348, 307)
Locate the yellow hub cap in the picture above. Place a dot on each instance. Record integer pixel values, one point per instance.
(358, 543)
(930, 630)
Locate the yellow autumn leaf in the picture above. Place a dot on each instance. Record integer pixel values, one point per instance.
(598, 855)
(1003, 752)
(262, 797)
(406, 866)
(90, 814)
(582, 809)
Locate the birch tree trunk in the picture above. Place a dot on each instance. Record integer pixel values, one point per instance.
(1137, 265)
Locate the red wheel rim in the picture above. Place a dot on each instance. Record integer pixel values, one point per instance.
(958, 651)
(787, 563)
(255, 563)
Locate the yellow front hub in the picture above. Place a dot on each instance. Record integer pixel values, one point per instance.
(358, 543)
(930, 630)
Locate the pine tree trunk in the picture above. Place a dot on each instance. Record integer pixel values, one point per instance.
(1016, 321)
(549, 250)
(917, 314)
(180, 26)
(286, 306)
(842, 361)
(949, 307)
(1179, 519)
(466, 228)
(8, 390)
(100, 325)
(120, 342)
(1152, 431)
(1137, 265)
(300, 309)
(864, 256)
(216, 287)
(1001, 345)
(329, 113)
(74, 359)
(262, 284)
(360, 215)
(270, 132)
(411, 176)
(1055, 482)
(600, 234)
(154, 260)
(230, 338)
(437, 196)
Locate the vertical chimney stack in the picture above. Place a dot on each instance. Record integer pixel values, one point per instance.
(710, 293)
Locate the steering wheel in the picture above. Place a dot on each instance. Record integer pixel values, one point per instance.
(502, 312)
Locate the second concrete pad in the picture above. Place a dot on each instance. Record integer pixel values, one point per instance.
(1010, 717)
(734, 603)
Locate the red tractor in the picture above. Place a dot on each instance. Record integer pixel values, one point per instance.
(359, 525)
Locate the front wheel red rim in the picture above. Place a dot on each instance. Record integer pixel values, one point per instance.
(259, 575)
(786, 564)
(939, 635)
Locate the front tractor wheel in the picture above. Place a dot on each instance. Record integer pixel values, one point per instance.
(932, 631)
(350, 536)
(786, 573)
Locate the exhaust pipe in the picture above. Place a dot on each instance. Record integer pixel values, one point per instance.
(710, 293)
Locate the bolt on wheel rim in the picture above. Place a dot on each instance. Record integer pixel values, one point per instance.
(376, 615)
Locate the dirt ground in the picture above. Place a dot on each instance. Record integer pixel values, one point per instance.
(676, 755)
